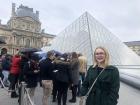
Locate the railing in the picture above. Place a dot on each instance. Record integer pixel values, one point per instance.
(24, 97)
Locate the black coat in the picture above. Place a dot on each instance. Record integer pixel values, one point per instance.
(6, 64)
(64, 72)
(31, 78)
(75, 71)
(46, 69)
(105, 90)
(23, 61)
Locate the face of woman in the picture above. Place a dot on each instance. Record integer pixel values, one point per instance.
(100, 55)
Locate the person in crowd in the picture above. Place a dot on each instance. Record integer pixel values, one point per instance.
(83, 66)
(6, 64)
(31, 72)
(55, 87)
(62, 74)
(82, 70)
(14, 74)
(46, 76)
(24, 60)
(75, 76)
(106, 88)
(1, 75)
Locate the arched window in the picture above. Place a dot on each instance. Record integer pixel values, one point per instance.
(3, 51)
(27, 44)
(18, 41)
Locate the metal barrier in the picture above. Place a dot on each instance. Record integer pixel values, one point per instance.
(21, 97)
(24, 95)
(29, 98)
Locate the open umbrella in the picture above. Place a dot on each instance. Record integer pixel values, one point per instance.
(57, 52)
(41, 54)
(29, 50)
(2, 41)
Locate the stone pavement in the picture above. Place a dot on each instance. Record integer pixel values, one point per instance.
(128, 96)
(6, 100)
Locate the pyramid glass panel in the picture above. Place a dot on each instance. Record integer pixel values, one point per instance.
(85, 34)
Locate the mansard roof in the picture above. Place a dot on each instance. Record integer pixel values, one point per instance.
(24, 11)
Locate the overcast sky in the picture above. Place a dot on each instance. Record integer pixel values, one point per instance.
(121, 17)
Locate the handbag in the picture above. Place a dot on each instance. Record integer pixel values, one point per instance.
(84, 98)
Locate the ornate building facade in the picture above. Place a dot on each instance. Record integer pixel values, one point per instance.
(23, 30)
(134, 45)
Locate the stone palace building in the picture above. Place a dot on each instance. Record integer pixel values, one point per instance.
(23, 30)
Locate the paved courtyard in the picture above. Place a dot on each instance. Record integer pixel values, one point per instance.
(128, 96)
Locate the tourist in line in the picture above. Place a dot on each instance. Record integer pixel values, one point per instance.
(31, 73)
(46, 76)
(74, 63)
(62, 74)
(14, 74)
(82, 70)
(6, 64)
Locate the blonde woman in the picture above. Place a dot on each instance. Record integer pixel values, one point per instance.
(106, 89)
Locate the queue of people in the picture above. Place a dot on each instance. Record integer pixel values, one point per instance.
(58, 73)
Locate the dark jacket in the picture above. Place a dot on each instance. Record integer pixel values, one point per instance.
(75, 71)
(31, 78)
(64, 73)
(105, 90)
(6, 64)
(46, 69)
(24, 60)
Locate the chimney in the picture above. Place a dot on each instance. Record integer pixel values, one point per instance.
(37, 13)
(13, 9)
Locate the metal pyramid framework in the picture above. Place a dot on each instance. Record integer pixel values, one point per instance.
(85, 34)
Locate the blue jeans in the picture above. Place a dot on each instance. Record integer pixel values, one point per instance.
(5, 79)
(82, 78)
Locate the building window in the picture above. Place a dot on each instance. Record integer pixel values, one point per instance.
(27, 43)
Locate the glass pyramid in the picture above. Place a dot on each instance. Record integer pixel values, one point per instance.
(85, 34)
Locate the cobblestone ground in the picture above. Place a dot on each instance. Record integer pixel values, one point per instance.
(128, 96)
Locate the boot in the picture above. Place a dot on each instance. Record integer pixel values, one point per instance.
(14, 95)
(54, 100)
(73, 100)
(59, 103)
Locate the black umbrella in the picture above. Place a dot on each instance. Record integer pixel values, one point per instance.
(2, 41)
(29, 50)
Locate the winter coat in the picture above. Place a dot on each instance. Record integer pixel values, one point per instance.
(24, 60)
(106, 88)
(15, 67)
(6, 64)
(62, 72)
(75, 71)
(31, 78)
(46, 69)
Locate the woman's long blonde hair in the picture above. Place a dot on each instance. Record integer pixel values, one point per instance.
(106, 62)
